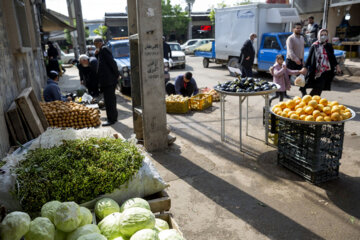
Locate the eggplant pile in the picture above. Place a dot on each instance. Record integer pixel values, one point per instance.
(246, 85)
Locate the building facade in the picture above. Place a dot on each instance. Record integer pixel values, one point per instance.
(21, 56)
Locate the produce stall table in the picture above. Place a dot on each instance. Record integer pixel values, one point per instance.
(311, 149)
(242, 96)
(350, 44)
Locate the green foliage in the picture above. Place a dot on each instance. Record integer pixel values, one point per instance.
(77, 170)
(174, 19)
(68, 37)
(101, 31)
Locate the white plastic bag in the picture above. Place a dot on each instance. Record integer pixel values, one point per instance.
(86, 98)
(147, 181)
(300, 81)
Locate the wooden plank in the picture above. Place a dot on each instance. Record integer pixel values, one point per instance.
(11, 130)
(159, 202)
(27, 108)
(12, 115)
(170, 220)
(38, 110)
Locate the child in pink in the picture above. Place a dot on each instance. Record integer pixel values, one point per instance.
(281, 76)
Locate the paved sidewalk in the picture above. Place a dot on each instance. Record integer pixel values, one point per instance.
(219, 193)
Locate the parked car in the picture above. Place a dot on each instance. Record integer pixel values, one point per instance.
(189, 46)
(121, 53)
(177, 56)
(67, 57)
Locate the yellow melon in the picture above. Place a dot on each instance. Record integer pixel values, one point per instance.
(317, 98)
(309, 118)
(319, 119)
(309, 110)
(327, 110)
(290, 104)
(306, 98)
(313, 103)
(335, 116)
(316, 113)
(327, 119)
(324, 102)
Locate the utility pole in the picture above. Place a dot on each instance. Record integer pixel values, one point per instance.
(75, 13)
(147, 72)
(80, 26)
(71, 11)
(326, 14)
(190, 3)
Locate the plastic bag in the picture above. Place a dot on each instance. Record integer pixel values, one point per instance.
(147, 181)
(300, 81)
(86, 98)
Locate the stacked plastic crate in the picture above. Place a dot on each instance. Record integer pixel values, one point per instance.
(312, 151)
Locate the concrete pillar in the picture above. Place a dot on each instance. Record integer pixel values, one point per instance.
(326, 14)
(71, 11)
(80, 26)
(135, 75)
(151, 72)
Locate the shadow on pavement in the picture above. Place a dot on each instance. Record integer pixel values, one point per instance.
(264, 219)
(345, 194)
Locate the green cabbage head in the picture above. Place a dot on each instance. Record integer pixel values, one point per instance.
(135, 202)
(106, 206)
(48, 209)
(93, 236)
(41, 228)
(67, 217)
(59, 235)
(110, 226)
(135, 219)
(85, 216)
(145, 234)
(170, 234)
(160, 225)
(84, 230)
(14, 226)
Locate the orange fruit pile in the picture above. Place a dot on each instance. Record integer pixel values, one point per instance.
(312, 109)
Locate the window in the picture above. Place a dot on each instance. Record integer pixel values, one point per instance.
(175, 47)
(22, 23)
(271, 42)
(20, 20)
(121, 50)
(192, 42)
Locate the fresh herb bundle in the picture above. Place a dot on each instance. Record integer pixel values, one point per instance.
(77, 170)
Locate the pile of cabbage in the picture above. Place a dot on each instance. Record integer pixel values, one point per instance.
(69, 221)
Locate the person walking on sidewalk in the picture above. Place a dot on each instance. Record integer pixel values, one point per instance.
(247, 56)
(281, 76)
(295, 51)
(108, 74)
(321, 65)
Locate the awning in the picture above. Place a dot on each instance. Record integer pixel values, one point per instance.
(52, 23)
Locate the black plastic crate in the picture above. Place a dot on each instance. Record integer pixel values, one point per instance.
(315, 177)
(315, 147)
(273, 122)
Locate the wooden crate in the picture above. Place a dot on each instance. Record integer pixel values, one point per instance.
(170, 220)
(18, 130)
(31, 110)
(159, 202)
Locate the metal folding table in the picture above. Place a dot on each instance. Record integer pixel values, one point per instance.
(242, 96)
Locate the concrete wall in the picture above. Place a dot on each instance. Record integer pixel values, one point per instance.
(17, 71)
